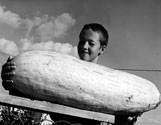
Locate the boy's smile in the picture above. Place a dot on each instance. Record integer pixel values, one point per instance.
(89, 46)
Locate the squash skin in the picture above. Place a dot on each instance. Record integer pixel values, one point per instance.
(66, 80)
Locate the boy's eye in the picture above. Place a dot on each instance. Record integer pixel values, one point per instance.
(91, 43)
(82, 42)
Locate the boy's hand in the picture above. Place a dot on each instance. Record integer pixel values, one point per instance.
(7, 72)
(131, 120)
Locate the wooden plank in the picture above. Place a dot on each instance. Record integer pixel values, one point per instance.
(48, 107)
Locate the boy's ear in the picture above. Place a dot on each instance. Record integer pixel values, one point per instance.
(102, 49)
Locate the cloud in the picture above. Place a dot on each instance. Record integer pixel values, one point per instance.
(40, 32)
(38, 29)
(53, 27)
(66, 48)
(9, 17)
(45, 28)
(8, 47)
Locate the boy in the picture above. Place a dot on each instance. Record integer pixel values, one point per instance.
(93, 41)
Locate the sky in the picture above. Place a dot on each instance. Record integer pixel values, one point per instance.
(134, 28)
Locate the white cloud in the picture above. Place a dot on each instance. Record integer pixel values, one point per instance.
(66, 48)
(25, 45)
(40, 32)
(63, 48)
(9, 17)
(43, 28)
(63, 22)
(52, 27)
(8, 47)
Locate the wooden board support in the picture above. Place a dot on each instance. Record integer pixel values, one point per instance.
(48, 107)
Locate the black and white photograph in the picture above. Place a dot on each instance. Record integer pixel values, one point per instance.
(80, 62)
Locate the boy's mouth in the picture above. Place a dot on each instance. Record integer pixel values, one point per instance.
(85, 52)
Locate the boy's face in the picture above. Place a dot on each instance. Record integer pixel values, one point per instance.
(89, 47)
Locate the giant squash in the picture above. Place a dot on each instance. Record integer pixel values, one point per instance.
(66, 80)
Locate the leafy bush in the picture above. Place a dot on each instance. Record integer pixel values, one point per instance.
(17, 116)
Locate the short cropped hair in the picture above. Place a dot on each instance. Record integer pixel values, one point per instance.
(97, 28)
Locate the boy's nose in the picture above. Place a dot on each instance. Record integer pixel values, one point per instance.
(86, 45)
